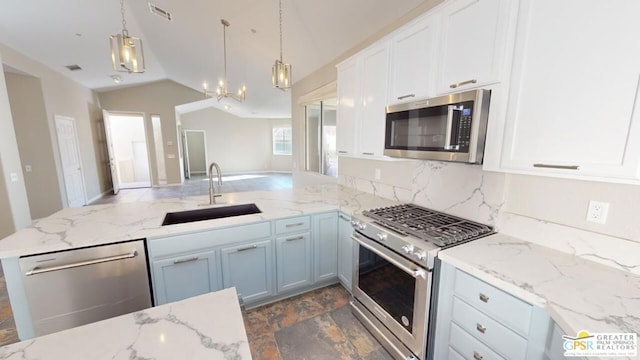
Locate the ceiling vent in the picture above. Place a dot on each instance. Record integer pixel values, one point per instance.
(160, 12)
(74, 67)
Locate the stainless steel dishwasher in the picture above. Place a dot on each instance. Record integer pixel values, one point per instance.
(75, 287)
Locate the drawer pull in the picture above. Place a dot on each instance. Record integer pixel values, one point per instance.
(342, 152)
(295, 238)
(477, 356)
(368, 153)
(472, 81)
(481, 328)
(180, 261)
(484, 298)
(406, 96)
(561, 167)
(294, 225)
(344, 217)
(247, 248)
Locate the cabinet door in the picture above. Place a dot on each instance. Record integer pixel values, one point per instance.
(574, 93)
(185, 276)
(293, 257)
(325, 240)
(373, 100)
(347, 112)
(249, 267)
(345, 253)
(412, 61)
(474, 36)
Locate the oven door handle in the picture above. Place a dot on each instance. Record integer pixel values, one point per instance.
(413, 272)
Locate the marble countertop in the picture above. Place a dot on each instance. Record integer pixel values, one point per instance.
(102, 224)
(578, 294)
(208, 326)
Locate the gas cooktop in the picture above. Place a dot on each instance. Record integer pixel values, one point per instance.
(439, 228)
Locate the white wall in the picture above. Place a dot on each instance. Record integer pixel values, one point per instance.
(63, 96)
(14, 205)
(237, 144)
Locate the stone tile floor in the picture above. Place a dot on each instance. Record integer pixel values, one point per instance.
(199, 185)
(316, 325)
(8, 334)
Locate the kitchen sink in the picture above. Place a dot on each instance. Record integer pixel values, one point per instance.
(188, 216)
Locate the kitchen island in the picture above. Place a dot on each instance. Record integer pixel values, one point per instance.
(208, 326)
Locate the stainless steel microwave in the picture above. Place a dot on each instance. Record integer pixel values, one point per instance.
(449, 128)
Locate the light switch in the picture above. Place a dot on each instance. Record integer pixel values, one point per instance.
(27, 168)
(14, 177)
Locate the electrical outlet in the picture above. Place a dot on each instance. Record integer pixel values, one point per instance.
(377, 174)
(597, 212)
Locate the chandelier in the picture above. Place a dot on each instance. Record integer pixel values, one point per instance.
(281, 71)
(126, 51)
(221, 90)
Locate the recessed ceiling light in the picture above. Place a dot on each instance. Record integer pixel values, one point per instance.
(78, 34)
(74, 67)
(116, 78)
(253, 31)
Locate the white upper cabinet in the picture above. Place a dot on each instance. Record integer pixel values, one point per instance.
(412, 61)
(362, 98)
(347, 112)
(375, 67)
(573, 107)
(472, 44)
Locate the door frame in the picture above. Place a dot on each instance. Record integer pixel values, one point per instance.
(57, 118)
(107, 130)
(185, 143)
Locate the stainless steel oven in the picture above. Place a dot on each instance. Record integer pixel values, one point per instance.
(396, 272)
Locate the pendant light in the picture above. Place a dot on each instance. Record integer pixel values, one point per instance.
(281, 71)
(126, 51)
(221, 90)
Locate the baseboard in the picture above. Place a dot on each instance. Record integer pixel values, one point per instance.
(99, 196)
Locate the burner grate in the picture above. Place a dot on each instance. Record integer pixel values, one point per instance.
(439, 228)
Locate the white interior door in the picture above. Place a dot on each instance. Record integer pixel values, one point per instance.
(70, 159)
(112, 159)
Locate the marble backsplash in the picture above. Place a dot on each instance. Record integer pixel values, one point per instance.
(469, 192)
(458, 189)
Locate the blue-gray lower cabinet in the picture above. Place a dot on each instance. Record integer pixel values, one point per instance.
(249, 267)
(325, 242)
(345, 251)
(293, 261)
(181, 277)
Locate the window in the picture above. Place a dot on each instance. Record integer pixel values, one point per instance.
(282, 141)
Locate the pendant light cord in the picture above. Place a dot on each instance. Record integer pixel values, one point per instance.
(124, 22)
(224, 40)
(280, 5)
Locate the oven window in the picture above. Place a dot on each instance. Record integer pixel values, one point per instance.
(391, 288)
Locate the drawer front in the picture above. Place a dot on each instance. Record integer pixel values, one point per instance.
(293, 224)
(469, 347)
(489, 331)
(206, 239)
(453, 355)
(514, 313)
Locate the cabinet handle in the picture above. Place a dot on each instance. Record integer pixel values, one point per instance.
(477, 356)
(367, 153)
(472, 81)
(343, 217)
(342, 152)
(406, 96)
(247, 248)
(180, 261)
(481, 328)
(295, 238)
(294, 225)
(484, 298)
(563, 167)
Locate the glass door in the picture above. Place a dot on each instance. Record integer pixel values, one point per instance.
(320, 150)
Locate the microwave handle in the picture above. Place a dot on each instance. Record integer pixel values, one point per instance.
(451, 127)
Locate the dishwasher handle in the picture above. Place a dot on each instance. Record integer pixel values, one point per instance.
(37, 270)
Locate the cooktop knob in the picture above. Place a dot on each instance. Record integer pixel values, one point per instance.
(408, 249)
(420, 255)
(382, 236)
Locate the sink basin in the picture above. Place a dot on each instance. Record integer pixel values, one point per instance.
(181, 217)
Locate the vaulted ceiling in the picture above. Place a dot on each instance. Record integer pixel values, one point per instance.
(189, 49)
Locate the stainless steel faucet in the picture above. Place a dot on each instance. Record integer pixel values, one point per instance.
(212, 192)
